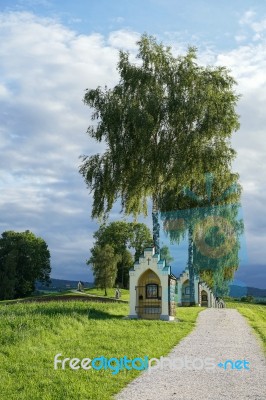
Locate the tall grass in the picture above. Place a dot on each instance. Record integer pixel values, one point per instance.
(256, 316)
(32, 334)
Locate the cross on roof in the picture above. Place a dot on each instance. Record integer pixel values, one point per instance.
(148, 259)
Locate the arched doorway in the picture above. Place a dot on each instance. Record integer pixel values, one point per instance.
(149, 296)
(204, 298)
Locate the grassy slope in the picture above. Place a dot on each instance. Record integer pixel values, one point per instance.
(32, 334)
(71, 292)
(44, 294)
(256, 316)
(110, 293)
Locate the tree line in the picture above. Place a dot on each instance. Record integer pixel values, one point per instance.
(25, 258)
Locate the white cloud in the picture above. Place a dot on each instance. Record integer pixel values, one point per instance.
(4, 92)
(45, 69)
(240, 38)
(124, 39)
(248, 65)
(259, 26)
(251, 20)
(118, 20)
(247, 18)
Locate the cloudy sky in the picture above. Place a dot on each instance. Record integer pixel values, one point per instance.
(51, 51)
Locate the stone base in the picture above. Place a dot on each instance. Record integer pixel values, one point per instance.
(167, 318)
(133, 316)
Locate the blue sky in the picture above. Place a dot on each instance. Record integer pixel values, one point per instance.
(51, 51)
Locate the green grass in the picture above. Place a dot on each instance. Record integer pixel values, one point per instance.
(256, 316)
(70, 292)
(110, 293)
(33, 296)
(55, 293)
(32, 334)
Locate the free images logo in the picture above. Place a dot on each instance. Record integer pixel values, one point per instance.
(238, 365)
(117, 365)
(215, 228)
(98, 363)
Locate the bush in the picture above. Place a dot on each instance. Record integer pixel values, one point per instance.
(247, 299)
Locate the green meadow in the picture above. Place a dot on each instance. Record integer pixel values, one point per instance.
(110, 293)
(256, 317)
(31, 334)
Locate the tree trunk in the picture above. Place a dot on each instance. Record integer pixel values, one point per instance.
(155, 225)
(190, 266)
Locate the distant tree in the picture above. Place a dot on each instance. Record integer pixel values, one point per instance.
(8, 274)
(125, 262)
(24, 258)
(104, 266)
(165, 254)
(247, 299)
(123, 236)
(140, 238)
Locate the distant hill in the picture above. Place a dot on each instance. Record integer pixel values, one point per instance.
(241, 291)
(61, 284)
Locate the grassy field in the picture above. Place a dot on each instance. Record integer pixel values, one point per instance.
(43, 294)
(71, 292)
(110, 293)
(256, 316)
(32, 334)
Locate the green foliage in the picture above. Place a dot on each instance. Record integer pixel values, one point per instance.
(162, 123)
(221, 239)
(123, 267)
(165, 255)
(123, 236)
(208, 213)
(140, 238)
(24, 258)
(247, 299)
(104, 266)
(165, 124)
(32, 334)
(8, 266)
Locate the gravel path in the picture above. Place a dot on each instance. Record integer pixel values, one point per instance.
(220, 334)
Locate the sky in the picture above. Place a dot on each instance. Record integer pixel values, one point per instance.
(51, 51)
